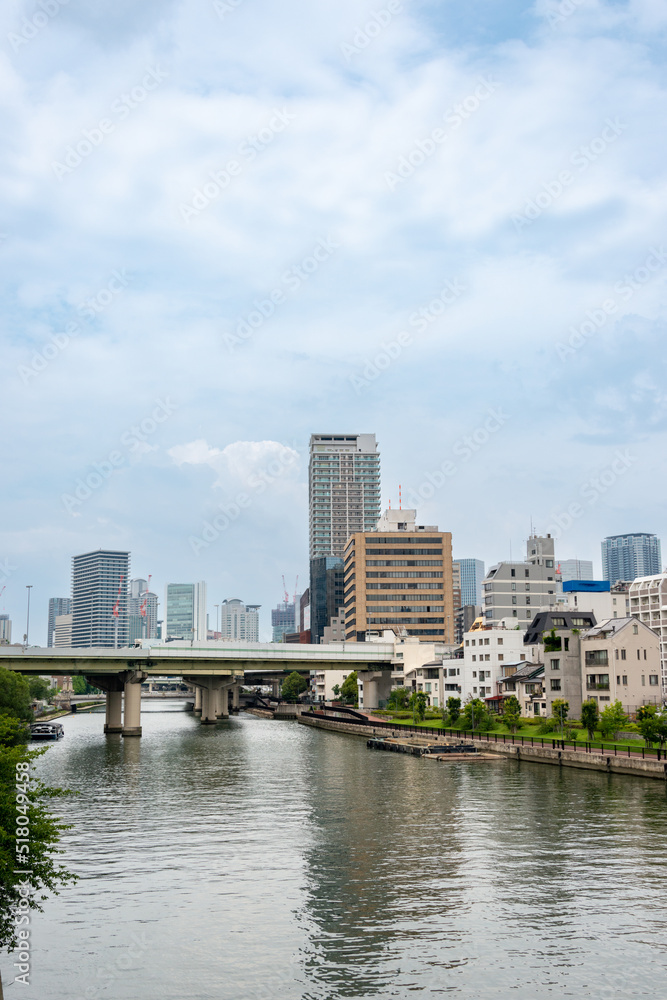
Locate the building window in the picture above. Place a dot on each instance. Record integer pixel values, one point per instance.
(622, 654)
(474, 673)
(653, 680)
(618, 678)
(635, 628)
(500, 657)
(596, 657)
(513, 587)
(514, 613)
(527, 572)
(527, 586)
(643, 681)
(555, 664)
(616, 653)
(644, 654)
(625, 678)
(549, 564)
(514, 602)
(500, 642)
(474, 659)
(512, 572)
(467, 642)
(555, 684)
(522, 656)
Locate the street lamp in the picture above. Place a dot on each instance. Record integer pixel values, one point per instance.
(27, 622)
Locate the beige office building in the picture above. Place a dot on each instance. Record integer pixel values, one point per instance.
(400, 577)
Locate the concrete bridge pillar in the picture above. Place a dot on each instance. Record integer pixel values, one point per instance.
(209, 705)
(132, 706)
(198, 700)
(275, 689)
(114, 716)
(374, 686)
(235, 697)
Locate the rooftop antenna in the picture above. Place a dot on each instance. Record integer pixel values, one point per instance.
(510, 550)
(400, 502)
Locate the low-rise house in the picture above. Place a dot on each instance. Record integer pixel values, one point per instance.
(621, 662)
(526, 682)
(556, 639)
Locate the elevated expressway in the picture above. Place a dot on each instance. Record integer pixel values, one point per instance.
(214, 669)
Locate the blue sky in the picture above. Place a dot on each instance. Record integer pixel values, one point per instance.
(228, 225)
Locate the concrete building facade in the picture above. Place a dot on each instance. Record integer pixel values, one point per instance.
(648, 603)
(57, 606)
(486, 650)
(576, 569)
(471, 578)
(517, 590)
(400, 577)
(5, 630)
(620, 660)
(239, 621)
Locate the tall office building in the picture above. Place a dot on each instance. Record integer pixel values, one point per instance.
(99, 588)
(326, 593)
(343, 490)
(57, 606)
(284, 619)
(471, 574)
(576, 569)
(185, 612)
(400, 577)
(142, 611)
(344, 498)
(5, 630)
(239, 621)
(625, 557)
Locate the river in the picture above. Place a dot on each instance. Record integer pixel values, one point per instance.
(263, 859)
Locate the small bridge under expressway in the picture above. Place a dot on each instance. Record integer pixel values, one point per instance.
(215, 670)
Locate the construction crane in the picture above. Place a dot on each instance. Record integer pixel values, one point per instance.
(285, 594)
(296, 589)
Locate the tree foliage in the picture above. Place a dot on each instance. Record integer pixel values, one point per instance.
(452, 712)
(39, 688)
(293, 685)
(512, 713)
(476, 716)
(559, 710)
(349, 691)
(612, 720)
(652, 724)
(398, 698)
(418, 705)
(15, 696)
(590, 716)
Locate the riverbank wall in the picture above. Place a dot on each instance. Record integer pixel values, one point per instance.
(594, 761)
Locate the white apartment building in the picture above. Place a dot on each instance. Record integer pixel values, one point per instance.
(518, 590)
(239, 621)
(614, 603)
(648, 602)
(486, 649)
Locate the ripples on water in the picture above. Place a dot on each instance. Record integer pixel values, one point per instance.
(262, 859)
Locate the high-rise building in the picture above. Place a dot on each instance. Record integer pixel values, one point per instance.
(625, 557)
(142, 606)
(284, 619)
(517, 590)
(62, 633)
(471, 575)
(648, 602)
(326, 593)
(57, 606)
(185, 612)
(239, 621)
(343, 489)
(99, 599)
(400, 577)
(5, 630)
(576, 569)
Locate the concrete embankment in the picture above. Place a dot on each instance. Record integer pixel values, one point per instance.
(596, 761)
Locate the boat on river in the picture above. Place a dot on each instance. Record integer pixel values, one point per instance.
(46, 731)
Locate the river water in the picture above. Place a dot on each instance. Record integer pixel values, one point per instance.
(263, 859)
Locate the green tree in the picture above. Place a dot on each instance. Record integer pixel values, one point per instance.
(476, 716)
(648, 724)
(590, 716)
(453, 710)
(336, 691)
(14, 695)
(418, 705)
(27, 870)
(39, 688)
(559, 711)
(349, 690)
(612, 720)
(293, 685)
(81, 685)
(512, 713)
(398, 698)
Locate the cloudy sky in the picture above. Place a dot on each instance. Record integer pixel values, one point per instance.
(226, 225)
